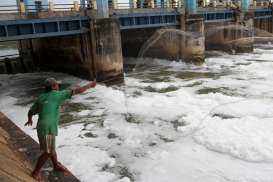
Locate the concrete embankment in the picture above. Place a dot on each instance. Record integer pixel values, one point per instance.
(18, 154)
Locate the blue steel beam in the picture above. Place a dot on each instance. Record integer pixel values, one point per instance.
(136, 22)
(147, 20)
(263, 13)
(38, 28)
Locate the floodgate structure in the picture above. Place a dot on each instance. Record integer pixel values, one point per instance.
(90, 39)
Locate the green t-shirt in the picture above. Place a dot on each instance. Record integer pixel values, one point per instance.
(47, 106)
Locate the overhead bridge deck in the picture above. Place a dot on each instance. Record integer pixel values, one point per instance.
(31, 28)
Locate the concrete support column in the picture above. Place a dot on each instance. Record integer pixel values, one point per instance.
(204, 3)
(76, 6)
(133, 4)
(191, 6)
(192, 48)
(115, 4)
(167, 3)
(254, 4)
(266, 4)
(214, 4)
(244, 40)
(51, 6)
(245, 5)
(22, 7)
(103, 11)
(228, 4)
(239, 4)
(152, 4)
(108, 62)
(179, 3)
(26, 56)
(93, 4)
(207, 2)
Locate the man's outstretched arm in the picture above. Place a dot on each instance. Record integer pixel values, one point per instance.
(82, 89)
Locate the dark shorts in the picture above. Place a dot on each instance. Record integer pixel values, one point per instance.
(47, 143)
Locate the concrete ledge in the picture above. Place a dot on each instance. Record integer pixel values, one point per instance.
(21, 153)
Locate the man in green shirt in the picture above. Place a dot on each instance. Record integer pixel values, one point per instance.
(47, 106)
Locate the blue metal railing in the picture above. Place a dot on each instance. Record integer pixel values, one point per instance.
(146, 20)
(226, 15)
(69, 25)
(263, 13)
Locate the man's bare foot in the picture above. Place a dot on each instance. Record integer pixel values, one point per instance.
(36, 175)
(61, 168)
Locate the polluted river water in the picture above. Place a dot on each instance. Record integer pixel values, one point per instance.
(169, 121)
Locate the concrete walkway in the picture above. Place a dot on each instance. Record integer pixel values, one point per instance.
(18, 155)
(13, 167)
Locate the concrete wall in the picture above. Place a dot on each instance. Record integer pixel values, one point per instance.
(171, 43)
(151, 42)
(17, 164)
(263, 29)
(65, 54)
(231, 36)
(92, 55)
(134, 39)
(263, 24)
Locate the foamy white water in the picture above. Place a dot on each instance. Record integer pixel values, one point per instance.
(178, 122)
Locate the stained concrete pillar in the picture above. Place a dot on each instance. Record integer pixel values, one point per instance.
(191, 6)
(16, 65)
(133, 4)
(214, 3)
(254, 4)
(179, 4)
(76, 6)
(109, 60)
(266, 4)
(167, 3)
(26, 55)
(51, 6)
(239, 4)
(22, 7)
(93, 4)
(231, 36)
(204, 4)
(192, 47)
(152, 4)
